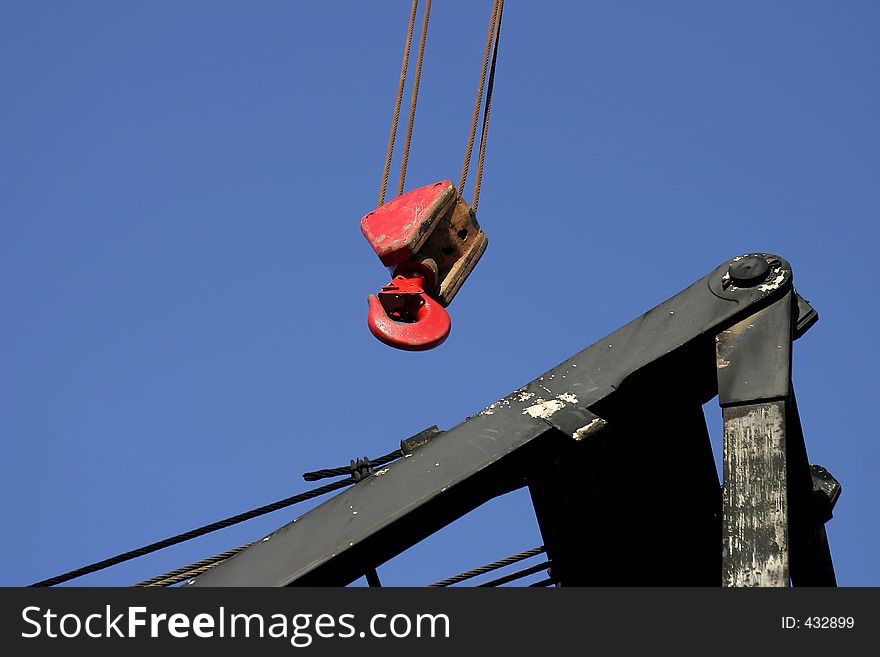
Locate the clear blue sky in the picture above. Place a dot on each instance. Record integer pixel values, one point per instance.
(184, 281)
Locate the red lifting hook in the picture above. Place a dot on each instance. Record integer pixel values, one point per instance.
(404, 316)
(430, 236)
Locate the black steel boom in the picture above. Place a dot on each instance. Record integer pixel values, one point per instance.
(613, 446)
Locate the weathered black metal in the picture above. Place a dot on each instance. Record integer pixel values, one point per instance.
(813, 493)
(372, 577)
(422, 438)
(611, 443)
(754, 356)
(749, 270)
(826, 490)
(773, 516)
(807, 316)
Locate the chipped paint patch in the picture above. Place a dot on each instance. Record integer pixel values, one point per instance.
(775, 284)
(379, 473)
(544, 409)
(587, 429)
(490, 410)
(541, 408)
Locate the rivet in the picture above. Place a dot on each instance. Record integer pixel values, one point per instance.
(749, 271)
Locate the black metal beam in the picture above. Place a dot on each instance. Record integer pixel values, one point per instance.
(494, 451)
(754, 382)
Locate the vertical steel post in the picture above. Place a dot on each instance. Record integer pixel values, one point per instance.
(753, 359)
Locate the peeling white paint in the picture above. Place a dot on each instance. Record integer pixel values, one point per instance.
(379, 473)
(544, 409)
(490, 409)
(587, 429)
(541, 408)
(774, 284)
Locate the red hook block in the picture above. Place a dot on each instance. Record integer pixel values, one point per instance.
(432, 237)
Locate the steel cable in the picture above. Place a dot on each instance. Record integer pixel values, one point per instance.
(495, 565)
(349, 470)
(518, 575)
(396, 116)
(415, 97)
(489, 86)
(195, 533)
(193, 569)
(545, 582)
(478, 102)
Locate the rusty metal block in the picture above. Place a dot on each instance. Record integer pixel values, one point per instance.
(432, 225)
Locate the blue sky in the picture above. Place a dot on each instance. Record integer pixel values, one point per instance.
(184, 280)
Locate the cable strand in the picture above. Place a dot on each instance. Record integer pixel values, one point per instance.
(415, 97)
(531, 570)
(195, 533)
(396, 115)
(478, 101)
(347, 469)
(486, 110)
(169, 578)
(495, 565)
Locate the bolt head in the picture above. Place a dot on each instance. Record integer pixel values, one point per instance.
(749, 271)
